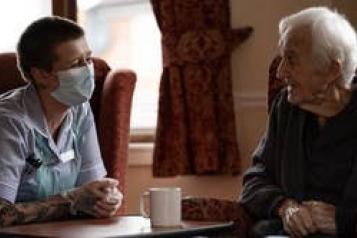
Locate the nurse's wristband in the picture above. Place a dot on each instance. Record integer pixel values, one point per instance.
(67, 197)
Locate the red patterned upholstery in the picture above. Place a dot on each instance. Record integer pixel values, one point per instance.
(113, 123)
(275, 84)
(10, 76)
(111, 104)
(210, 209)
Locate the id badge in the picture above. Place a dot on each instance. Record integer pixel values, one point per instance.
(67, 156)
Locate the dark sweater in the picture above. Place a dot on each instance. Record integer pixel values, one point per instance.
(296, 159)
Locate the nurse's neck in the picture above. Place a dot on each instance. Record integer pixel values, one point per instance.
(55, 113)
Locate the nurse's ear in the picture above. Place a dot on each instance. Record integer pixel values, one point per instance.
(43, 79)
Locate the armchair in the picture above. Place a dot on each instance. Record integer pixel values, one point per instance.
(210, 209)
(111, 104)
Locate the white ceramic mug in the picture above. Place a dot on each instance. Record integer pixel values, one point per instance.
(165, 206)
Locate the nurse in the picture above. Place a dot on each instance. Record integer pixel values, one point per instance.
(50, 162)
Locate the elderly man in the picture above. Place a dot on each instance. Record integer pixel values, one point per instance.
(303, 181)
(50, 162)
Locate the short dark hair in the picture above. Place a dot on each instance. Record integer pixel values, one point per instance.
(36, 44)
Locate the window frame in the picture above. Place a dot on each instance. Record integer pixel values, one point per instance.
(68, 9)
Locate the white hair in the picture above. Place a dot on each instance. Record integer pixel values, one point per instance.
(333, 38)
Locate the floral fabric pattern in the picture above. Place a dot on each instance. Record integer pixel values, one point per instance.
(210, 209)
(196, 132)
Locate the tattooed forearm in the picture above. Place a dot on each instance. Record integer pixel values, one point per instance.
(54, 208)
(83, 201)
(79, 201)
(9, 214)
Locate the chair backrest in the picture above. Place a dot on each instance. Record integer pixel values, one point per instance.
(114, 125)
(10, 76)
(275, 84)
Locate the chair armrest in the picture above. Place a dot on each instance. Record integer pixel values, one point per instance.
(114, 123)
(211, 209)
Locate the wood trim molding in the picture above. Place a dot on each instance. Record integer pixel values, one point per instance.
(140, 154)
(244, 100)
(142, 135)
(65, 8)
(254, 99)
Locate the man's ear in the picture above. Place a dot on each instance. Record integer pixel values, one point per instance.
(335, 70)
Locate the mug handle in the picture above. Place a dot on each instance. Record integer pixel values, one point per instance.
(142, 207)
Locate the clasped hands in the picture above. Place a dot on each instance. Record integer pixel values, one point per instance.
(309, 217)
(99, 198)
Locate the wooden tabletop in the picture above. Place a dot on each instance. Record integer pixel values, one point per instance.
(125, 226)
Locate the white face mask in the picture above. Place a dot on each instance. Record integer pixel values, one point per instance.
(76, 85)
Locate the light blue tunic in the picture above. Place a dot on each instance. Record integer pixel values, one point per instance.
(32, 165)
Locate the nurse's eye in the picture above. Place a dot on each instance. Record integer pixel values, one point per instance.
(89, 60)
(75, 64)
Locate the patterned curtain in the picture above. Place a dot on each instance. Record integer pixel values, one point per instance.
(196, 132)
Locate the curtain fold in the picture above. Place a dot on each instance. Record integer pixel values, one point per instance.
(196, 132)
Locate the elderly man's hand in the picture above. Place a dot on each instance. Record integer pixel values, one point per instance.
(99, 198)
(323, 215)
(296, 219)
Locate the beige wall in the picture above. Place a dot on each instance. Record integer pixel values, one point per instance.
(348, 8)
(250, 71)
